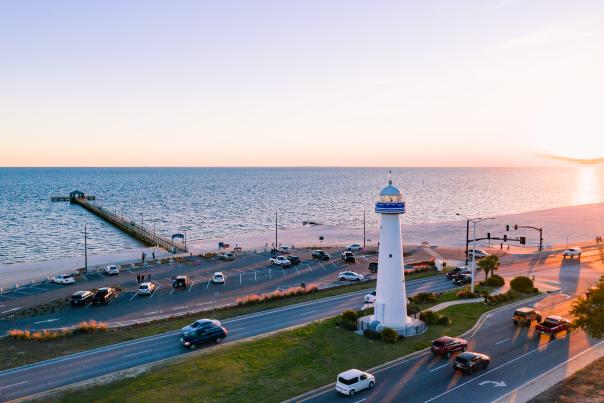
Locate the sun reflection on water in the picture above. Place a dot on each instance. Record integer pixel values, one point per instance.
(588, 185)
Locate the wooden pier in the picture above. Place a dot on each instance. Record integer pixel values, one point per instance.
(130, 227)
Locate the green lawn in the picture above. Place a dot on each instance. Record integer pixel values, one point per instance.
(273, 368)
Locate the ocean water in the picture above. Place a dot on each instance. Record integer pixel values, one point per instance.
(213, 202)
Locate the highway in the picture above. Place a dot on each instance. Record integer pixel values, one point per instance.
(35, 378)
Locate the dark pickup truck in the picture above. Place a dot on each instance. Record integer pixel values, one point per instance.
(552, 325)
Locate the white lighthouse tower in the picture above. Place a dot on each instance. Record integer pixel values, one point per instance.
(391, 299)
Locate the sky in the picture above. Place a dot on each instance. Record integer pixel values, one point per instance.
(300, 83)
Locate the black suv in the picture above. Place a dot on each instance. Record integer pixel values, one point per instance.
(104, 295)
(81, 298)
(181, 282)
(373, 267)
(348, 257)
(463, 279)
(451, 274)
(471, 362)
(294, 260)
(320, 254)
(203, 335)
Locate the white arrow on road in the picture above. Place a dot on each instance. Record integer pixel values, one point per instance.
(496, 384)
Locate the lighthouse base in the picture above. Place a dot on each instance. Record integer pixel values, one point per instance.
(411, 327)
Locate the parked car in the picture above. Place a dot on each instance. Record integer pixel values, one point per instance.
(218, 278)
(524, 316)
(348, 257)
(203, 335)
(454, 272)
(446, 346)
(354, 247)
(471, 362)
(354, 380)
(63, 279)
(146, 288)
(370, 298)
(463, 279)
(226, 256)
(181, 282)
(294, 260)
(280, 261)
(81, 298)
(112, 270)
(373, 267)
(200, 324)
(320, 254)
(552, 325)
(104, 295)
(350, 276)
(479, 253)
(572, 252)
(285, 249)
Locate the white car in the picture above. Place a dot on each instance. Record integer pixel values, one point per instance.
(218, 278)
(572, 252)
(370, 298)
(63, 279)
(146, 288)
(112, 269)
(284, 249)
(199, 324)
(479, 253)
(280, 261)
(226, 256)
(355, 247)
(354, 380)
(350, 276)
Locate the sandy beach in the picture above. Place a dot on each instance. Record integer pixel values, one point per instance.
(561, 226)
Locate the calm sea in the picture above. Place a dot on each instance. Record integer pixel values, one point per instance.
(210, 202)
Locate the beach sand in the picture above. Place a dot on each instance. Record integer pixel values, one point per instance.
(561, 226)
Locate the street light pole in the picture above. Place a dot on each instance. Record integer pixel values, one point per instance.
(364, 237)
(142, 221)
(276, 236)
(474, 221)
(85, 249)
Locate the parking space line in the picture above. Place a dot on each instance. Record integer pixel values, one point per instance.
(154, 291)
(240, 279)
(323, 267)
(334, 265)
(208, 285)
(307, 265)
(269, 274)
(283, 271)
(297, 271)
(192, 283)
(172, 291)
(133, 296)
(255, 276)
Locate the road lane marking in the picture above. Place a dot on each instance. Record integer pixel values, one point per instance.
(442, 366)
(11, 310)
(138, 353)
(307, 265)
(45, 321)
(14, 384)
(234, 330)
(502, 341)
(308, 312)
(255, 275)
(240, 280)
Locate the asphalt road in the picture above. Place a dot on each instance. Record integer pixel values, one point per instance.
(517, 355)
(35, 378)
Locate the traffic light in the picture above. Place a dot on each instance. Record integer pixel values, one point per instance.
(488, 235)
(507, 227)
(516, 227)
(522, 240)
(505, 237)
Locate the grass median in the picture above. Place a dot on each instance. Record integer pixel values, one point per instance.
(14, 353)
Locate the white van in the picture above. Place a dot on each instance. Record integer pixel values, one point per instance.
(354, 380)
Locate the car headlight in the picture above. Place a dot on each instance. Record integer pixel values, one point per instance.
(181, 339)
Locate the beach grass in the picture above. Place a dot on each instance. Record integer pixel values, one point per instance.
(272, 368)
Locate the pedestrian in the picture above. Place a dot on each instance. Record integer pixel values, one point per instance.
(501, 246)
(148, 276)
(138, 279)
(143, 257)
(153, 255)
(508, 246)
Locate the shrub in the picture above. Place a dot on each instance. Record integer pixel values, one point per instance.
(275, 295)
(511, 295)
(389, 335)
(412, 309)
(372, 334)
(495, 281)
(444, 320)
(348, 325)
(46, 335)
(522, 284)
(429, 317)
(424, 297)
(350, 316)
(466, 294)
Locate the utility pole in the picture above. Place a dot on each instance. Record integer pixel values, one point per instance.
(467, 238)
(364, 237)
(474, 222)
(85, 249)
(276, 237)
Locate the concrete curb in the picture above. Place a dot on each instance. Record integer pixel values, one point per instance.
(551, 378)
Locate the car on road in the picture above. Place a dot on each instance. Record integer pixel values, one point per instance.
(112, 270)
(479, 253)
(294, 260)
(181, 282)
(348, 257)
(354, 247)
(552, 325)
(373, 267)
(200, 324)
(218, 278)
(350, 276)
(81, 298)
(203, 335)
(454, 272)
(320, 254)
(471, 362)
(104, 295)
(146, 288)
(571, 252)
(446, 346)
(63, 279)
(226, 256)
(370, 298)
(352, 381)
(524, 316)
(463, 279)
(280, 261)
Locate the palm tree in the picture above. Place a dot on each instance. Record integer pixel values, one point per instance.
(489, 264)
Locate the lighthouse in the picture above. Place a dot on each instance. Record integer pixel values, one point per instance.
(390, 308)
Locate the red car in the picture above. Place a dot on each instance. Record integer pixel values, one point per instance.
(447, 345)
(552, 325)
